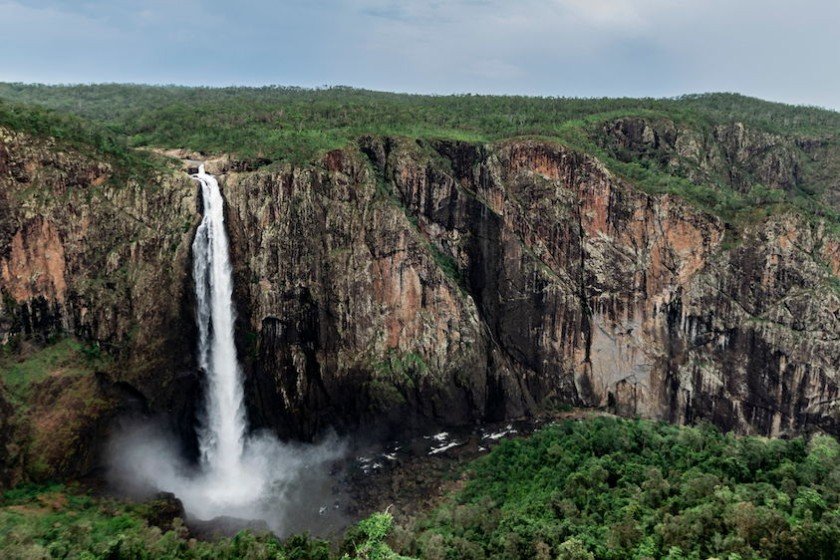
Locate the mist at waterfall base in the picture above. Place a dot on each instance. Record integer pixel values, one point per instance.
(289, 486)
(238, 475)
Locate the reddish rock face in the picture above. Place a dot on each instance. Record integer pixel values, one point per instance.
(35, 265)
(480, 282)
(403, 284)
(831, 255)
(107, 263)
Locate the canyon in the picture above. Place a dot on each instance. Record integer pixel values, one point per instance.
(400, 285)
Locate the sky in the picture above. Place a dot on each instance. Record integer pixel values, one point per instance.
(781, 50)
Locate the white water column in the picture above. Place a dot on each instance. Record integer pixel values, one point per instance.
(222, 433)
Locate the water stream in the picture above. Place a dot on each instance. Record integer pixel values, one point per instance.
(223, 430)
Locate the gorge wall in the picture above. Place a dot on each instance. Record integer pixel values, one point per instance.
(105, 262)
(453, 283)
(399, 285)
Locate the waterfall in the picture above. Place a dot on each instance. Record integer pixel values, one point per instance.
(222, 435)
(242, 475)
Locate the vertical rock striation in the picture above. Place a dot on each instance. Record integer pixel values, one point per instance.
(397, 285)
(450, 283)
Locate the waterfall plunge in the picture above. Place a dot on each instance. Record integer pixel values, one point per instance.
(223, 433)
(239, 474)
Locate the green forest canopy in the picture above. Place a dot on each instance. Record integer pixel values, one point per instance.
(599, 488)
(286, 124)
(613, 489)
(269, 121)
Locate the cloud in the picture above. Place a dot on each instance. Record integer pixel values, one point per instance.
(609, 14)
(496, 69)
(770, 48)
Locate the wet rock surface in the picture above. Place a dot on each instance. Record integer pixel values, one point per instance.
(411, 476)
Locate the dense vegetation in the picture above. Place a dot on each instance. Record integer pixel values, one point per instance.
(622, 489)
(286, 123)
(65, 522)
(72, 132)
(280, 124)
(595, 489)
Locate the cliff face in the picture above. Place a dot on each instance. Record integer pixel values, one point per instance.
(455, 283)
(733, 153)
(403, 284)
(348, 315)
(107, 264)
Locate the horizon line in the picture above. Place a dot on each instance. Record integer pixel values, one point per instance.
(327, 87)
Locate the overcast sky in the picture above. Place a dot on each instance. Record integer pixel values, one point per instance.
(785, 50)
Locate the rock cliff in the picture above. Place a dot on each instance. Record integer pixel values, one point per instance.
(102, 260)
(451, 283)
(400, 284)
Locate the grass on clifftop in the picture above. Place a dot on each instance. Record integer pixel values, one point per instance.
(71, 132)
(285, 124)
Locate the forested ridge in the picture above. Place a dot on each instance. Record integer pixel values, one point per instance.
(288, 125)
